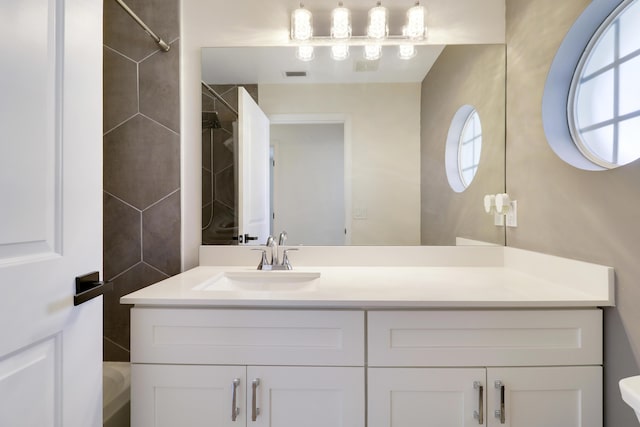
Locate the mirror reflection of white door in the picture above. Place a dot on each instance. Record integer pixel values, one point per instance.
(308, 182)
(253, 171)
(50, 212)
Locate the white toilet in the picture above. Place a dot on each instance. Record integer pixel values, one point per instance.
(630, 390)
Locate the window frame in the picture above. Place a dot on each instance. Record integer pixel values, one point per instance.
(611, 22)
(476, 136)
(452, 156)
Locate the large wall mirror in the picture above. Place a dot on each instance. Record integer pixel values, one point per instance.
(356, 148)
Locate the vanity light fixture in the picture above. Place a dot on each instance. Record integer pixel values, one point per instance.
(372, 52)
(305, 53)
(415, 28)
(378, 28)
(340, 52)
(301, 24)
(341, 34)
(406, 51)
(341, 22)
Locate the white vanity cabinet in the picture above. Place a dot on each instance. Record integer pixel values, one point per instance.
(276, 368)
(517, 368)
(314, 368)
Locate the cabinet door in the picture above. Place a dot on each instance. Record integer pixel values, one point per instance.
(409, 397)
(186, 396)
(549, 397)
(306, 396)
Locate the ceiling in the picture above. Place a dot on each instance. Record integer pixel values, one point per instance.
(267, 65)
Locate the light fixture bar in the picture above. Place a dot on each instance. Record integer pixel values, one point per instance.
(341, 37)
(356, 41)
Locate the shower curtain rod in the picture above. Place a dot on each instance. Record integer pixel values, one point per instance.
(163, 45)
(219, 98)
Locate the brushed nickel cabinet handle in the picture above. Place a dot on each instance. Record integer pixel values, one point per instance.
(255, 411)
(234, 393)
(500, 413)
(479, 414)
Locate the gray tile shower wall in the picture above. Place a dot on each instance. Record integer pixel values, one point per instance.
(219, 219)
(141, 158)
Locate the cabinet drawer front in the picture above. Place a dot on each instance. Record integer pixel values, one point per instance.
(485, 338)
(247, 337)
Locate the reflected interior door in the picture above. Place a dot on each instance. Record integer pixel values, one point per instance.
(50, 211)
(253, 171)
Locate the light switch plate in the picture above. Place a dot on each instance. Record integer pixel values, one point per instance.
(360, 213)
(498, 220)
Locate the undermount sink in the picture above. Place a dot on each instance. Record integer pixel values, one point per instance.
(257, 280)
(630, 390)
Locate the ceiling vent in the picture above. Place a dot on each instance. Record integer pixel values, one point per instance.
(295, 74)
(366, 66)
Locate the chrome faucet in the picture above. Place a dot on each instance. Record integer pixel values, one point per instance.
(274, 263)
(271, 243)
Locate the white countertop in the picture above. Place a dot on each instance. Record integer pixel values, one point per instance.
(389, 287)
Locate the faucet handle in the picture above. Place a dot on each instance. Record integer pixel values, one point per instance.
(270, 241)
(285, 259)
(282, 238)
(263, 260)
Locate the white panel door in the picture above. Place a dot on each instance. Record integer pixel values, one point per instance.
(253, 171)
(305, 396)
(50, 211)
(409, 397)
(549, 397)
(187, 395)
(308, 182)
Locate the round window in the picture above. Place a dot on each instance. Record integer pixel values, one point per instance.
(462, 151)
(604, 100)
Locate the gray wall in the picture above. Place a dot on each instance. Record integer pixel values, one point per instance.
(141, 158)
(465, 74)
(591, 216)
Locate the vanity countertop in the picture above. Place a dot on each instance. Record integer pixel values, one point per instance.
(386, 287)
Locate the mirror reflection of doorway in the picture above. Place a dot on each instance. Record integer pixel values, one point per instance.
(308, 182)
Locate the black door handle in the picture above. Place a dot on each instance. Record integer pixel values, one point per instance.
(88, 287)
(245, 238)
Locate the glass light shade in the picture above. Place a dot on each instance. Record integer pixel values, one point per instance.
(372, 52)
(340, 52)
(415, 28)
(340, 22)
(378, 27)
(406, 51)
(301, 24)
(305, 53)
